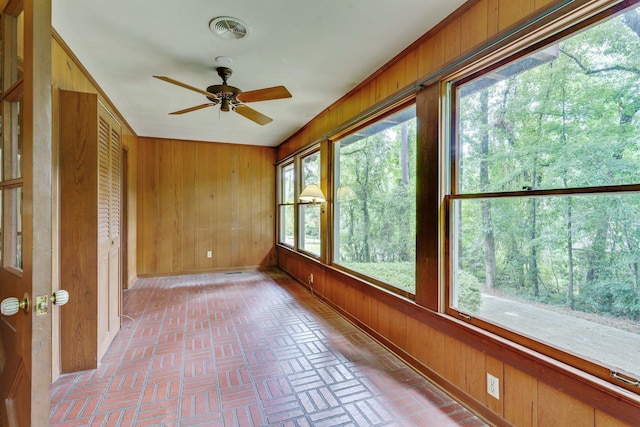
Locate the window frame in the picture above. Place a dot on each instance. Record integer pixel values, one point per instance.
(281, 203)
(367, 121)
(11, 178)
(295, 160)
(301, 207)
(449, 138)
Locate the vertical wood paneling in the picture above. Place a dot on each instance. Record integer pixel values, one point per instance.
(397, 327)
(433, 344)
(350, 300)
(510, 12)
(173, 223)
(452, 40)
(265, 230)
(351, 105)
(413, 337)
(558, 409)
(365, 97)
(242, 242)
(411, 67)
(223, 191)
(189, 224)
(539, 4)
(604, 420)
(381, 87)
(383, 320)
(475, 24)
(492, 17)
(316, 128)
(397, 78)
(202, 218)
(520, 397)
(198, 196)
(473, 372)
(453, 361)
(358, 309)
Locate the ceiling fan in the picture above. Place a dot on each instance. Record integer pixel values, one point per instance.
(231, 98)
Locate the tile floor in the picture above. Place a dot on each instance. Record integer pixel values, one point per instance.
(244, 349)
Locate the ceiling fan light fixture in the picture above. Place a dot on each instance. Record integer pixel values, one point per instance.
(229, 28)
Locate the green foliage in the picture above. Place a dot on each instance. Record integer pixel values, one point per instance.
(612, 299)
(469, 298)
(399, 274)
(377, 225)
(570, 121)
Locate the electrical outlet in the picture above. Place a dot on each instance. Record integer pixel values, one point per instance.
(311, 278)
(493, 386)
(209, 254)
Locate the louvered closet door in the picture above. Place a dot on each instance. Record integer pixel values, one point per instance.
(104, 240)
(108, 228)
(104, 181)
(115, 277)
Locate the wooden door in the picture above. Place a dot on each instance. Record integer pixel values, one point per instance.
(25, 189)
(115, 257)
(109, 147)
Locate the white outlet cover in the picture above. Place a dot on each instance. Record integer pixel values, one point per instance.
(493, 386)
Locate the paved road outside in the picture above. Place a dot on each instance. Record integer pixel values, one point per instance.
(612, 347)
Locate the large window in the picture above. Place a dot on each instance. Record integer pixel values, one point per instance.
(375, 201)
(301, 232)
(310, 212)
(286, 206)
(544, 210)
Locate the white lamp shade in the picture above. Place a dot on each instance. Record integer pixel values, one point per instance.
(345, 194)
(312, 194)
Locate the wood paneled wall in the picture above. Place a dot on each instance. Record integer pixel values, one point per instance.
(534, 391)
(196, 197)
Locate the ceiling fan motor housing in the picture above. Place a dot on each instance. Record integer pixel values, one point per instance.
(224, 94)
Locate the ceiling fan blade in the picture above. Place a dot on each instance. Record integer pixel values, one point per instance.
(184, 85)
(190, 109)
(276, 92)
(252, 114)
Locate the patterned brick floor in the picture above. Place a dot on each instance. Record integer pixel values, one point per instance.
(244, 349)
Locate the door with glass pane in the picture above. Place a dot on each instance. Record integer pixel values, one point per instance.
(25, 213)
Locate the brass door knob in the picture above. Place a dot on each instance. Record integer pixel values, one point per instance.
(12, 305)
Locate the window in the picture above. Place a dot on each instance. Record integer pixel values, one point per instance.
(310, 212)
(11, 180)
(286, 206)
(375, 201)
(544, 210)
(301, 232)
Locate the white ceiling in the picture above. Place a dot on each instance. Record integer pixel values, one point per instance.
(318, 49)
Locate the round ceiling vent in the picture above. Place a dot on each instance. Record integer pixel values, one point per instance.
(229, 28)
